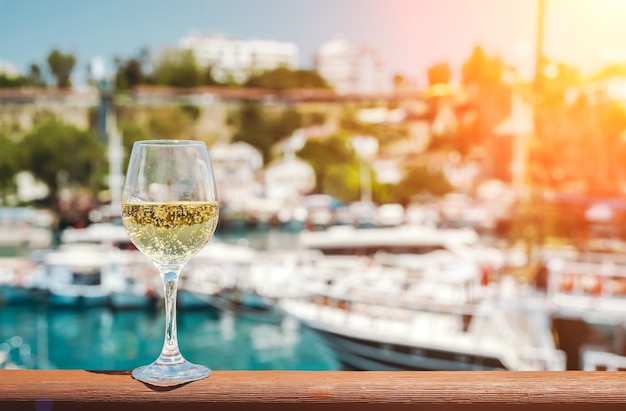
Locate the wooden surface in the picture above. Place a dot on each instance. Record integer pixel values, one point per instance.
(326, 390)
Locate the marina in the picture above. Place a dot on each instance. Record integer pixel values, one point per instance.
(408, 297)
(348, 221)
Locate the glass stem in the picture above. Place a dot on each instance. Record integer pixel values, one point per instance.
(170, 354)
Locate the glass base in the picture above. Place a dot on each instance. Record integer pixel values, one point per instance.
(167, 375)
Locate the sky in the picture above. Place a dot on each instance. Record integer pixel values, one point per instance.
(410, 35)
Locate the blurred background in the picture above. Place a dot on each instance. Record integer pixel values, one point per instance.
(479, 143)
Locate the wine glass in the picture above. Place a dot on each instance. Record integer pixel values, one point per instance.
(170, 211)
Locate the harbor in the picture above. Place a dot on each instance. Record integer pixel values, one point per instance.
(470, 223)
(407, 297)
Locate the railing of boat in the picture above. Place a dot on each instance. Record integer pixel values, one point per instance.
(323, 390)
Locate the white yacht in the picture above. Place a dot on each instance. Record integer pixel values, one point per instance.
(417, 297)
(403, 239)
(117, 270)
(75, 277)
(390, 318)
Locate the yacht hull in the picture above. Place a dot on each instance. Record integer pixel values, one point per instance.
(359, 353)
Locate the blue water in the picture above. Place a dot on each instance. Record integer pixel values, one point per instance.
(102, 339)
(44, 337)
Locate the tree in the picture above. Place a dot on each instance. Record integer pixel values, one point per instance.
(489, 105)
(171, 122)
(61, 154)
(178, 69)
(439, 74)
(61, 66)
(335, 164)
(481, 69)
(12, 82)
(9, 166)
(421, 179)
(259, 129)
(131, 132)
(283, 78)
(35, 78)
(314, 118)
(208, 78)
(32, 79)
(342, 181)
(129, 74)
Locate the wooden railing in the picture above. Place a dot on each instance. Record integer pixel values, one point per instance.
(325, 390)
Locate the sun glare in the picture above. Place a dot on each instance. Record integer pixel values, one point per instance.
(585, 33)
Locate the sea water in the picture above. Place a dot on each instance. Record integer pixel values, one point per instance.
(35, 337)
(45, 337)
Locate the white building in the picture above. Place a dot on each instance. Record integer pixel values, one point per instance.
(237, 168)
(238, 59)
(350, 67)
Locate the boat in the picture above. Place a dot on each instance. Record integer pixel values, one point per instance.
(75, 276)
(585, 294)
(116, 273)
(402, 239)
(594, 360)
(130, 287)
(418, 297)
(22, 281)
(211, 276)
(412, 244)
(385, 318)
(106, 235)
(23, 230)
(434, 299)
(198, 286)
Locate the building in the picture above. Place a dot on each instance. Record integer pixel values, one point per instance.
(234, 59)
(350, 67)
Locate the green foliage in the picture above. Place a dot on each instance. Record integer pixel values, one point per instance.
(316, 118)
(35, 76)
(178, 69)
(132, 72)
(336, 167)
(310, 79)
(131, 132)
(342, 181)
(383, 193)
(351, 124)
(12, 82)
(58, 153)
(129, 74)
(283, 78)
(191, 110)
(169, 123)
(335, 164)
(288, 122)
(33, 79)
(259, 129)
(9, 166)
(208, 78)
(61, 66)
(421, 180)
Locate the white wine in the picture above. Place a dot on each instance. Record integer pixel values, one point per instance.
(170, 232)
